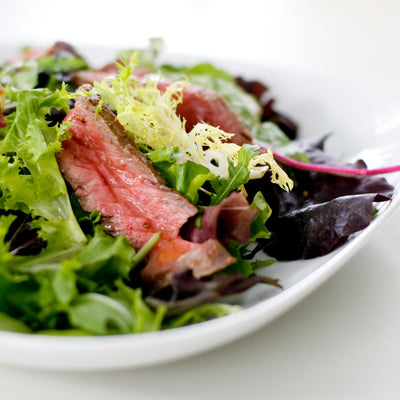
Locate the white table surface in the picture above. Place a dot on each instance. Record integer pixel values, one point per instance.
(342, 342)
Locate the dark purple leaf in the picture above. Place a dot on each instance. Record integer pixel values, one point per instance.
(322, 210)
(326, 187)
(228, 221)
(22, 239)
(317, 229)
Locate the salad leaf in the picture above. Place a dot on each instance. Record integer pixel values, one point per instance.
(202, 313)
(21, 76)
(42, 70)
(316, 230)
(53, 65)
(238, 174)
(5, 224)
(146, 319)
(237, 225)
(259, 229)
(81, 292)
(187, 177)
(321, 211)
(100, 315)
(10, 324)
(30, 180)
(229, 221)
(245, 252)
(106, 257)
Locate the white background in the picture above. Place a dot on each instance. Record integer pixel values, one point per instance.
(342, 342)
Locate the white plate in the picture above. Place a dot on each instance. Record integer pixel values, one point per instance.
(320, 105)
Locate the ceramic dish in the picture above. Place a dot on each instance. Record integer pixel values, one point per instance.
(362, 123)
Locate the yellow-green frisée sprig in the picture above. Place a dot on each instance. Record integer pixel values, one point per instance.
(149, 115)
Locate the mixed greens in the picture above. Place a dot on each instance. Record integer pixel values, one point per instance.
(61, 272)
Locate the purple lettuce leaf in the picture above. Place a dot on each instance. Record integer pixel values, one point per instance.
(327, 187)
(227, 221)
(317, 229)
(322, 211)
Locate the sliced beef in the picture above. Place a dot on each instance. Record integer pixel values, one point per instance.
(109, 174)
(178, 255)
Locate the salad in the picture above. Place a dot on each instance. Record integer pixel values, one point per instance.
(141, 196)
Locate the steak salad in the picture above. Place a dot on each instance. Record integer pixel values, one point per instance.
(136, 197)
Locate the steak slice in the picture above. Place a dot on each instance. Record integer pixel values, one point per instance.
(177, 255)
(108, 173)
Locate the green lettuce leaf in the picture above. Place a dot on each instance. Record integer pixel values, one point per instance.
(30, 180)
(86, 292)
(22, 76)
(100, 315)
(54, 65)
(238, 174)
(10, 324)
(25, 74)
(187, 177)
(202, 313)
(258, 227)
(5, 224)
